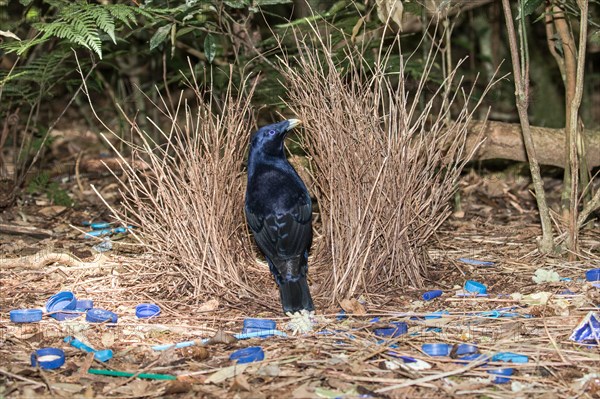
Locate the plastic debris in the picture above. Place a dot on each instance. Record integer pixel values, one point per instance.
(436, 315)
(48, 358)
(107, 232)
(395, 330)
(437, 349)
(105, 246)
(465, 349)
(146, 310)
(476, 262)
(97, 315)
(510, 357)
(248, 355)
(25, 315)
(256, 334)
(474, 286)
(96, 225)
(64, 300)
(545, 276)
(502, 375)
(592, 275)
(588, 330)
(429, 295)
(100, 355)
(115, 373)
(83, 305)
(254, 325)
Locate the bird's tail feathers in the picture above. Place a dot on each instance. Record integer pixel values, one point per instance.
(295, 295)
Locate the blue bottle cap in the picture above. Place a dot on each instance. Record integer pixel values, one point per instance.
(503, 375)
(474, 286)
(436, 349)
(248, 355)
(259, 324)
(48, 358)
(396, 329)
(84, 304)
(592, 275)
(64, 300)
(96, 315)
(429, 295)
(466, 349)
(25, 315)
(146, 310)
(510, 357)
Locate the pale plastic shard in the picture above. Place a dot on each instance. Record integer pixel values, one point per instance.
(545, 276)
(301, 322)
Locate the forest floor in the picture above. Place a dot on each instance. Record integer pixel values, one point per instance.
(343, 357)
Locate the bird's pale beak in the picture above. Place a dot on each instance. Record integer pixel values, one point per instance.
(292, 123)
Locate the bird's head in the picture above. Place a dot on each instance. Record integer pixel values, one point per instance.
(269, 139)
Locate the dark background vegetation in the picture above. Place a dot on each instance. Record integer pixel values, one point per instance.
(132, 50)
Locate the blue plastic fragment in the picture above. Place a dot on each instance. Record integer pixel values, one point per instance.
(429, 295)
(100, 355)
(341, 315)
(84, 304)
(474, 357)
(374, 320)
(476, 262)
(64, 300)
(254, 325)
(25, 315)
(474, 286)
(48, 358)
(510, 357)
(466, 349)
(107, 232)
(588, 330)
(185, 344)
(437, 349)
(248, 355)
(436, 315)
(97, 315)
(592, 275)
(396, 329)
(146, 310)
(502, 375)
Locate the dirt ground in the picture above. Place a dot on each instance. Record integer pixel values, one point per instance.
(342, 357)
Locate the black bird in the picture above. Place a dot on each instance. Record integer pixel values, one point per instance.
(279, 213)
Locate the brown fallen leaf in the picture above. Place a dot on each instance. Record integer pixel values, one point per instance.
(209, 306)
(177, 386)
(194, 352)
(240, 383)
(353, 306)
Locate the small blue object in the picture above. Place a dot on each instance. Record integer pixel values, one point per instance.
(588, 330)
(466, 349)
(341, 316)
(99, 225)
(256, 325)
(248, 355)
(436, 349)
(476, 262)
(592, 275)
(48, 358)
(64, 300)
(474, 286)
(96, 315)
(510, 357)
(429, 295)
(84, 304)
(374, 320)
(396, 329)
(503, 375)
(146, 310)
(25, 315)
(436, 315)
(101, 355)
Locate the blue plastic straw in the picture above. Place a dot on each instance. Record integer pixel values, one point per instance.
(205, 340)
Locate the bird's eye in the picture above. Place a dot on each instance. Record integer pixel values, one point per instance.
(272, 132)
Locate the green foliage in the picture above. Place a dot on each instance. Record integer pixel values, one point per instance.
(42, 184)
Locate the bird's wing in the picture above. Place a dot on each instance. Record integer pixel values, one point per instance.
(284, 235)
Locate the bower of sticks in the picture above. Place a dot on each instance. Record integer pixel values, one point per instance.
(399, 212)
